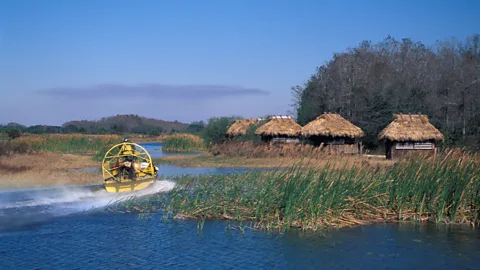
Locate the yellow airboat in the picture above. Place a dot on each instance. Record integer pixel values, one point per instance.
(128, 167)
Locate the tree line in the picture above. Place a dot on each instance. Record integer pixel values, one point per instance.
(16, 131)
(366, 84)
(119, 124)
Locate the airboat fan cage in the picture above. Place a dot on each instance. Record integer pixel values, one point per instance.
(121, 157)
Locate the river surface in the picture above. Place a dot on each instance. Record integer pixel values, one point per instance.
(61, 228)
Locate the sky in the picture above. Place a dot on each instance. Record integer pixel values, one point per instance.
(190, 60)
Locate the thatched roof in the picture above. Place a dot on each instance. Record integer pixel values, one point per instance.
(240, 127)
(280, 126)
(410, 127)
(331, 125)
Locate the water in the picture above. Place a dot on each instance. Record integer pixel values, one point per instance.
(58, 228)
(26, 209)
(123, 241)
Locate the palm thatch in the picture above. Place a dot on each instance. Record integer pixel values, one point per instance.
(240, 127)
(280, 126)
(411, 127)
(331, 125)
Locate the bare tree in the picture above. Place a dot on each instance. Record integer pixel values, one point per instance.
(368, 82)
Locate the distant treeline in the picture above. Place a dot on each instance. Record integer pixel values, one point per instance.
(370, 82)
(119, 124)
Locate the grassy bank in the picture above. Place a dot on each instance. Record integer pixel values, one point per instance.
(183, 143)
(50, 160)
(47, 169)
(445, 189)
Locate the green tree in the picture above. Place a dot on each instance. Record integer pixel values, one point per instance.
(250, 135)
(155, 132)
(194, 128)
(100, 130)
(119, 128)
(70, 129)
(216, 128)
(13, 133)
(37, 129)
(53, 129)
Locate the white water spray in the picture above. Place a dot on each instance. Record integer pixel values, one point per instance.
(72, 195)
(23, 207)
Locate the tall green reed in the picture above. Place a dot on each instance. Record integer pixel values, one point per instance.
(444, 189)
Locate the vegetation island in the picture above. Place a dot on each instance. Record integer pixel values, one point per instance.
(383, 132)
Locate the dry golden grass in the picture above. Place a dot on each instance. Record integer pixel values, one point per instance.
(46, 169)
(249, 154)
(208, 160)
(265, 150)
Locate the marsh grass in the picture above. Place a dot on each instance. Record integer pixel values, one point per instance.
(95, 145)
(183, 143)
(212, 161)
(440, 189)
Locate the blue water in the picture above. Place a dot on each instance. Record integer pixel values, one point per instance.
(121, 241)
(61, 228)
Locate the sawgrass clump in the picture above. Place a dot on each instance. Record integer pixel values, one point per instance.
(183, 143)
(441, 189)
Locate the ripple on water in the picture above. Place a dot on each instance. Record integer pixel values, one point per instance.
(120, 240)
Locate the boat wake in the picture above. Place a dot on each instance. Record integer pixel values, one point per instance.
(30, 207)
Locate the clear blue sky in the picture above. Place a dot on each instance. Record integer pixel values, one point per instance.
(190, 60)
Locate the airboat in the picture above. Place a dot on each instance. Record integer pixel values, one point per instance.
(126, 167)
